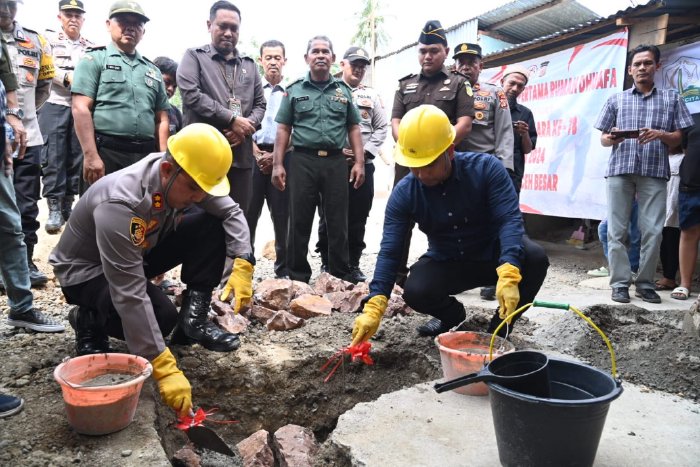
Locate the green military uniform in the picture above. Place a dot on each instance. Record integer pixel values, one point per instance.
(448, 90)
(320, 118)
(128, 91)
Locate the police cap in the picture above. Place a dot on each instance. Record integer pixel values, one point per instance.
(77, 5)
(354, 54)
(466, 48)
(126, 6)
(433, 33)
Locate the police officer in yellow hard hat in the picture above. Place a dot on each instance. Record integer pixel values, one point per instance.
(168, 209)
(466, 204)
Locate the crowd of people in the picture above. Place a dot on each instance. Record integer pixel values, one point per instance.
(160, 188)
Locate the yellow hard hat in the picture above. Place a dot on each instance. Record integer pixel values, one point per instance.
(424, 134)
(203, 152)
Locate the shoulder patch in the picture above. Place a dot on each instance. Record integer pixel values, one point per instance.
(137, 231)
(407, 77)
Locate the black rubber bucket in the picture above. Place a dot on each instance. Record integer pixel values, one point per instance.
(561, 430)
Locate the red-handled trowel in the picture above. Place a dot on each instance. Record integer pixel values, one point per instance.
(206, 438)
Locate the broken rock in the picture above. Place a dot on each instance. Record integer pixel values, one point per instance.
(186, 457)
(274, 293)
(256, 450)
(261, 314)
(235, 324)
(326, 282)
(284, 321)
(295, 445)
(346, 302)
(397, 306)
(301, 288)
(269, 251)
(309, 306)
(221, 308)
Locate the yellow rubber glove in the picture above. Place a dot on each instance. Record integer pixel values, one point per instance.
(368, 322)
(241, 283)
(507, 292)
(174, 388)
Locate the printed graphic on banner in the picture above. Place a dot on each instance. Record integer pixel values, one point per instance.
(565, 173)
(680, 70)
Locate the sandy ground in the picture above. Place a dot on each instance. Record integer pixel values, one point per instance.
(274, 378)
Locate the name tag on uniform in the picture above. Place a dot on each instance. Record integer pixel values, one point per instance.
(301, 99)
(113, 67)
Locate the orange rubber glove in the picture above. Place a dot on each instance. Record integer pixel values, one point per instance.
(241, 283)
(174, 388)
(368, 322)
(507, 292)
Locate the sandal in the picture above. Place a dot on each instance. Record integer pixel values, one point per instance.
(680, 293)
(659, 285)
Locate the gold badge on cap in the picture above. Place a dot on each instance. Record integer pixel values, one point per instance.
(464, 48)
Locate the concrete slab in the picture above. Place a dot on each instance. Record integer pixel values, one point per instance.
(419, 427)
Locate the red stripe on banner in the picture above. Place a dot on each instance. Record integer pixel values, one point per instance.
(575, 52)
(621, 42)
(529, 209)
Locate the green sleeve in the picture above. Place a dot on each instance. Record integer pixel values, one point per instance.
(163, 103)
(7, 76)
(285, 113)
(86, 78)
(353, 113)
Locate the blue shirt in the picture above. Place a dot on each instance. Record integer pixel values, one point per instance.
(661, 109)
(465, 218)
(268, 126)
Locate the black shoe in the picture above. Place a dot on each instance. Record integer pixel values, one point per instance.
(194, 325)
(55, 221)
(435, 327)
(67, 207)
(36, 277)
(621, 295)
(34, 320)
(648, 295)
(488, 293)
(89, 337)
(356, 275)
(10, 405)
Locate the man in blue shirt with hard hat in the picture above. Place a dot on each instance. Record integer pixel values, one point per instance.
(466, 205)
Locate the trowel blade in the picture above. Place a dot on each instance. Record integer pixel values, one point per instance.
(206, 438)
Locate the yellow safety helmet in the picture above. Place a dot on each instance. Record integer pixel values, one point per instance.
(203, 152)
(424, 134)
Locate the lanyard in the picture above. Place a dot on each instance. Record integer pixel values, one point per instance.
(230, 80)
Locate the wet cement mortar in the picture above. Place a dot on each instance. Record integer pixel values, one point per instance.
(274, 378)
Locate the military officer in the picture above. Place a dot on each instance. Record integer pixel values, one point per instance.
(62, 157)
(320, 110)
(119, 101)
(434, 84)
(31, 60)
(492, 129)
(373, 125)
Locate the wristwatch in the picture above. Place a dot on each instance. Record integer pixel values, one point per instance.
(17, 112)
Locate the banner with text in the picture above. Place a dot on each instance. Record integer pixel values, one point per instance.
(680, 70)
(565, 173)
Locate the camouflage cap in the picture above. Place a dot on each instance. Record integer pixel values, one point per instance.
(126, 6)
(77, 5)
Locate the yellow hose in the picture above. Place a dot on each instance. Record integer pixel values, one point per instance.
(560, 306)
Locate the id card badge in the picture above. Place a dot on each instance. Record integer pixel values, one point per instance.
(234, 105)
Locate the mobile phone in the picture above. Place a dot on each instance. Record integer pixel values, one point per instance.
(625, 133)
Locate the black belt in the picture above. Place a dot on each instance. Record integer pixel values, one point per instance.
(266, 147)
(119, 143)
(318, 152)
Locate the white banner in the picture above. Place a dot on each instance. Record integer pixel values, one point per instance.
(680, 70)
(564, 174)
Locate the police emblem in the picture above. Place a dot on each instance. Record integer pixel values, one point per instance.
(479, 115)
(479, 105)
(157, 199)
(365, 114)
(483, 93)
(137, 231)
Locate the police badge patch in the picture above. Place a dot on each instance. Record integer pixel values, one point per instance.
(137, 231)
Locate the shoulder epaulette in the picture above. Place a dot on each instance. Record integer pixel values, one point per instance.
(247, 58)
(407, 76)
(147, 59)
(49, 30)
(96, 48)
(459, 73)
(298, 80)
(30, 30)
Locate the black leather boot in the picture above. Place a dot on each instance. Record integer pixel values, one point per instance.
(36, 277)
(90, 338)
(194, 325)
(67, 207)
(55, 221)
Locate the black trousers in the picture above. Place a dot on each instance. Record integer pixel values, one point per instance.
(431, 284)
(308, 178)
(670, 243)
(198, 243)
(359, 206)
(278, 205)
(62, 156)
(27, 182)
(400, 172)
(241, 181)
(113, 160)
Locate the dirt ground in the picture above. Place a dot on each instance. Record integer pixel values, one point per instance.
(274, 378)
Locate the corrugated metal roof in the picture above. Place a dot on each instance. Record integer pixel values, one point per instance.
(551, 16)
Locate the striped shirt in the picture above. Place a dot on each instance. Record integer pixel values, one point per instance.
(661, 109)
